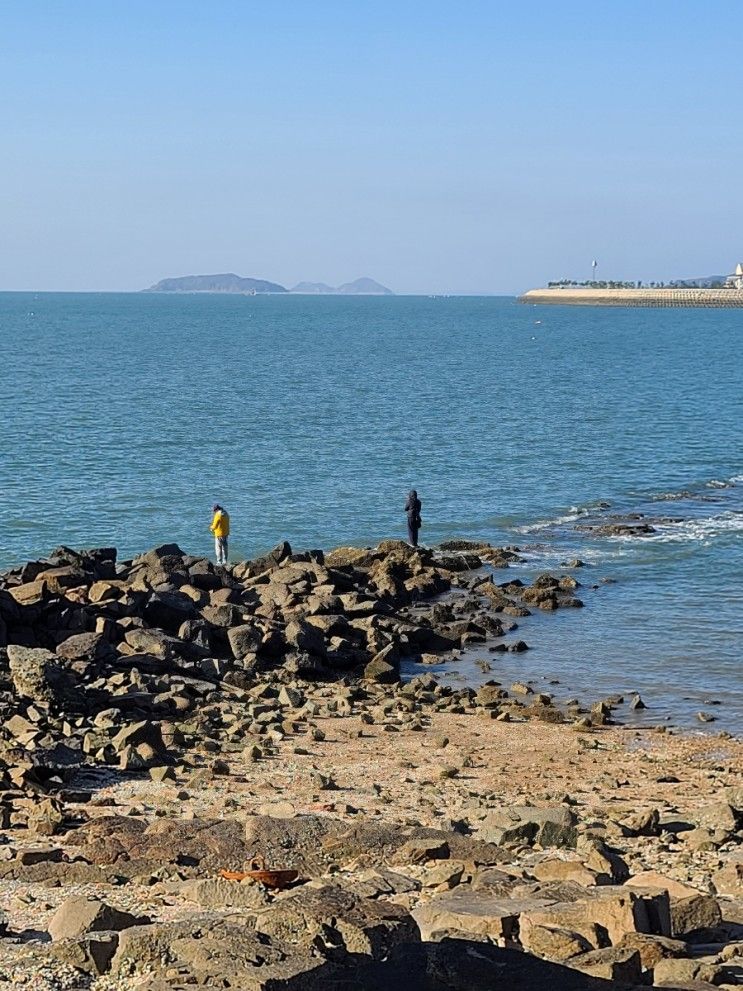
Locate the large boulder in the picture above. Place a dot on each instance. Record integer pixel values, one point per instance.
(202, 575)
(212, 950)
(606, 863)
(654, 948)
(244, 639)
(475, 913)
(210, 844)
(619, 964)
(78, 916)
(153, 642)
(605, 915)
(553, 943)
(30, 593)
(168, 610)
(344, 557)
(88, 954)
(384, 667)
(552, 826)
(680, 974)
(86, 647)
(719, 815)
(58, 580)
(280, 553)
(729, 879)
(698, 911)
(107, 840)
(158, 555)
(224, 615)
(38, 674)
(339, 917)
(305, 638)
(218, 893)
(690, 909)
(136, 734)
(297, 842)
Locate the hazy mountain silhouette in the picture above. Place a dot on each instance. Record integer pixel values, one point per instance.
(313, 288)
(364, 287)
(229, 282)
(215, 283)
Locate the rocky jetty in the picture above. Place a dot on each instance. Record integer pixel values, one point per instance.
(170, 726)
(653, 297)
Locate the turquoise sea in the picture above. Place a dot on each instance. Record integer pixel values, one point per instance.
(125, 416)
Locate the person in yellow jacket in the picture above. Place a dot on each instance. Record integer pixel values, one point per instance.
(220, 527)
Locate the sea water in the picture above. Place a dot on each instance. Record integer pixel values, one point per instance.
(125, 416)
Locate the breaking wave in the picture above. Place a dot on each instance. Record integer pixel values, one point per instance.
(573, 514)
(672, 496)
(705, 528)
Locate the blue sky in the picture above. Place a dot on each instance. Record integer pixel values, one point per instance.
(437, 146)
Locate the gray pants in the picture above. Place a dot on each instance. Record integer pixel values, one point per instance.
(220, 549)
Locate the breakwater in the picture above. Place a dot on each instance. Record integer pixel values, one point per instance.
(569, 296)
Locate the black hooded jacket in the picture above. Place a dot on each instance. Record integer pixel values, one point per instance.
(413, 509)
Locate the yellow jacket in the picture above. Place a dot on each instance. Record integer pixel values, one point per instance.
(221, 524)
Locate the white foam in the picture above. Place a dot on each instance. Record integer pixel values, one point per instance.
(575, 513)
(670, 496)
(702, 529)
(554, 557)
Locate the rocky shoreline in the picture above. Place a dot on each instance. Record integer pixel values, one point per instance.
(165, 720)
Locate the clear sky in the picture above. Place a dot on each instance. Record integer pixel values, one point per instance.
(433, 146)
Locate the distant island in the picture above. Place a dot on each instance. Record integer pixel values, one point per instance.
(360, 287)
(216, 283)
(231, 283)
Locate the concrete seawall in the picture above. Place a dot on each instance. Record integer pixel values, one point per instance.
(636, 297)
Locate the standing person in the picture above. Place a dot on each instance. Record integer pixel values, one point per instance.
(220, 527)
(413, 509)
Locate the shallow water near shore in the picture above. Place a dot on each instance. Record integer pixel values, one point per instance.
(125, 416)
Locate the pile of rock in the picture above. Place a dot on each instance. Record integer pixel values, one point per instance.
(114, 662)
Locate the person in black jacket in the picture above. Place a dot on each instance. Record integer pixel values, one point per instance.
(413, 509)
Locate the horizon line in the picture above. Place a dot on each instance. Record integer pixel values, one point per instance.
(207, 292)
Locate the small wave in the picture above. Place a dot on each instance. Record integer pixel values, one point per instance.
(554, 557)
(694, 491)
(571, 517)
(673, 496)
(573, 514)
(701, 529)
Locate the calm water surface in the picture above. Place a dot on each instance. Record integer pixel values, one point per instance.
(124, 417)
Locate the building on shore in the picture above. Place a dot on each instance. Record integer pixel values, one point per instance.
(735, 281)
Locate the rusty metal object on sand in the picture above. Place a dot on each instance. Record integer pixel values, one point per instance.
(275, 879)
